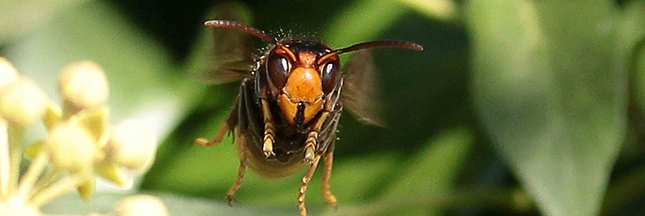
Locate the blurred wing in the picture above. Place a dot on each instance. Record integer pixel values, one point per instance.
(359, 94)
(230, 57)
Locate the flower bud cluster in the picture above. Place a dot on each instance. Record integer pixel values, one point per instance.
(80, 144)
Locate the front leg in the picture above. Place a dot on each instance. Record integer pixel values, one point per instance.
(269, 130)
(332, 107)
(311, 143)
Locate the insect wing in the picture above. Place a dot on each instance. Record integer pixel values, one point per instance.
(359, 91)
(230, 57)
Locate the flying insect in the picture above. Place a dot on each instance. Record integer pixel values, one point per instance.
(291, 97)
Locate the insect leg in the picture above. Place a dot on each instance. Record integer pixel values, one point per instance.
(217, 140)
(269, 129)
(305, 184)
(240, 173)
(326, 180)
(329, 130)
(243, 125)
(311, 143)
(227, 126)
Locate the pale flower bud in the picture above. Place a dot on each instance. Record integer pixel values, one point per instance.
(142, 205)
(84, 85)
(132, 145)
(8, 73)
(22, 102)
(71, 147)
(17, 207)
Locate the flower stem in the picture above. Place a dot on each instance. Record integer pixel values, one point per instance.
(47, 179)
(29, 178)
(58, 189)
(4, 160)
(15, 142)
(68, 110)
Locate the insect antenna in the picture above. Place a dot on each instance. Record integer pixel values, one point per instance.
(372, 44)
(239, 26)
(378, 44)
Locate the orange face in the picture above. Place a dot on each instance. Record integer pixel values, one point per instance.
(299, 78)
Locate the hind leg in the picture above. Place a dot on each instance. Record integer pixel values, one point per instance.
(243, 123)
(305, 184)
(326, 180)
(241, 171)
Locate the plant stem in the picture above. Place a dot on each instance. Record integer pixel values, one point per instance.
(29, 178)
(4, 160)
(58, 189)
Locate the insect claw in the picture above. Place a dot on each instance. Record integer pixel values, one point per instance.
(230, 200)
(268, 153)
(267, 147)
(309, 155)
(205, 143)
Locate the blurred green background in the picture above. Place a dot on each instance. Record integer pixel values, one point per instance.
(515, 107)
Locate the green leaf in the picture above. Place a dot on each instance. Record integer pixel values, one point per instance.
(373, 20)
(439, 9)
(632, 42)
(550, 88)
(639, 73)
(432, 172)
(426, 182)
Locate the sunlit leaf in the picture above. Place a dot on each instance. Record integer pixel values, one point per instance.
(177, 205)
(20, 17)
(373, 20)
(438, 9)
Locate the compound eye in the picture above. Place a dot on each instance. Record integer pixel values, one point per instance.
(329, 72)
(278, 69)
